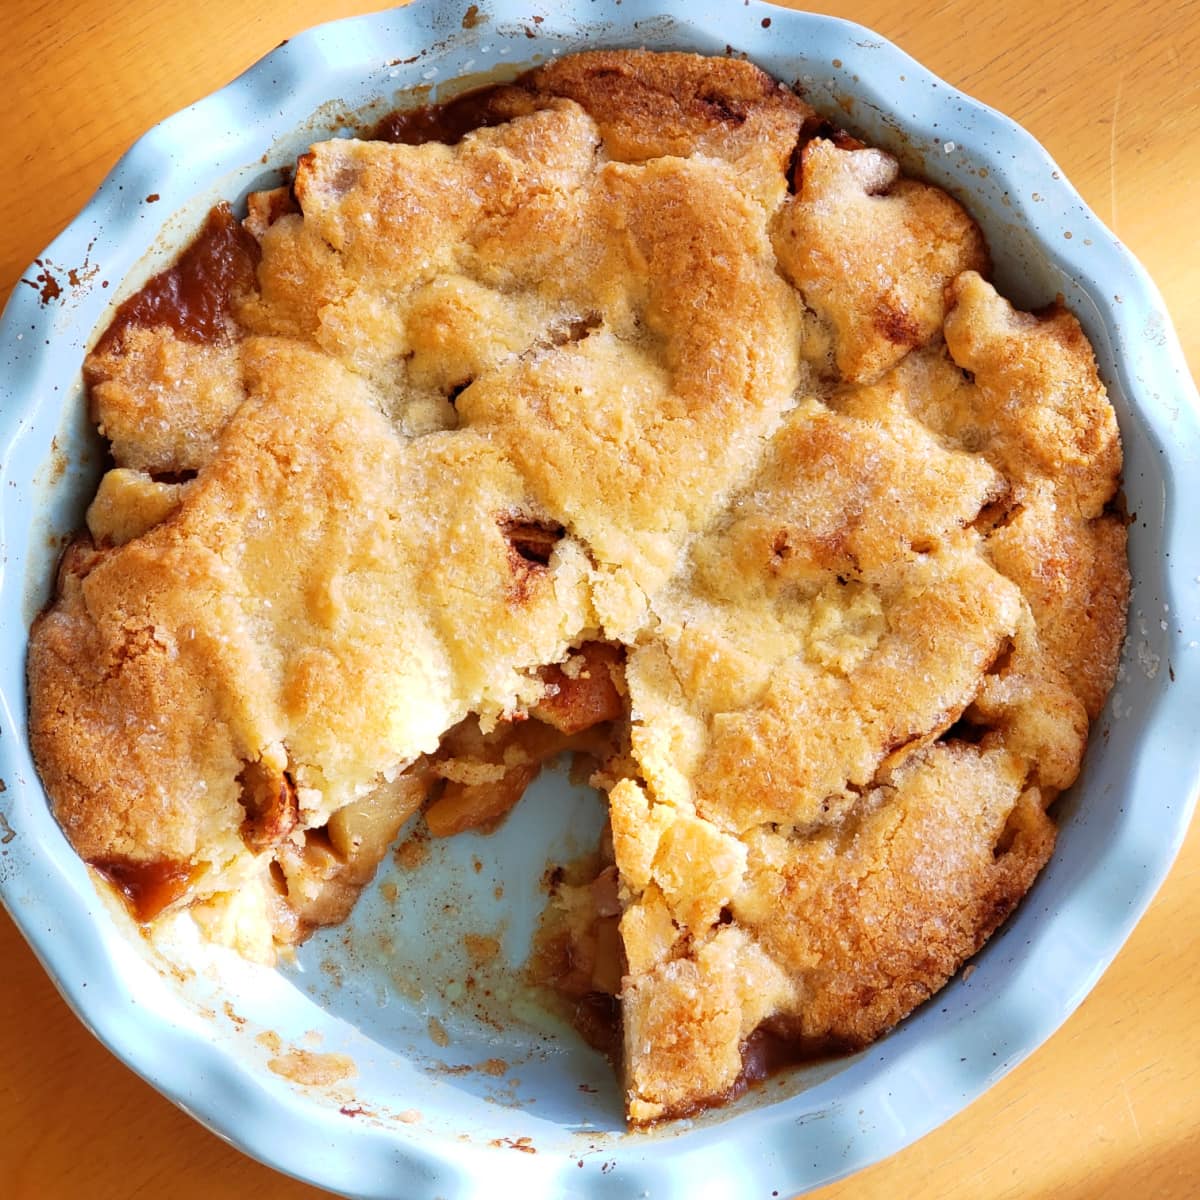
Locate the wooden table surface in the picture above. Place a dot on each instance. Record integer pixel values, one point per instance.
(1110, 1107)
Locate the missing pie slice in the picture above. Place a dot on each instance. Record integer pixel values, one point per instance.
(631, 410)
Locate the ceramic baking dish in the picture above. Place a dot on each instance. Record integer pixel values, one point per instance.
(454, 1090)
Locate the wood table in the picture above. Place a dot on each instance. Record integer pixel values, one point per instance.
(1110, 1107)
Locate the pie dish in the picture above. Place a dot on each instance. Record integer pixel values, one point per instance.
(846, 1067)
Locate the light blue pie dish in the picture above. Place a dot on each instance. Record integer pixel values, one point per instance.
(461, 1086)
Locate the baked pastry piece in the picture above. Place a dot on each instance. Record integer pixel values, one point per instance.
(645, 416)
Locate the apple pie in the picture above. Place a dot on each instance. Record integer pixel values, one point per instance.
(630, 410)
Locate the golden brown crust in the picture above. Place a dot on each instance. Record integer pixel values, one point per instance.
(873, 253)
(161, 400)
(126, 782)
(885, 909)
(647, 105)
(1075, 576)
(1050, 428)
(592, 374)
(1036, 378)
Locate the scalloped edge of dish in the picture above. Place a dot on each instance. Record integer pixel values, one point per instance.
(912, 1080)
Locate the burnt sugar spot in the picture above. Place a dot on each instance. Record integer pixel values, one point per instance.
(722, 108)
(895, 323)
